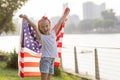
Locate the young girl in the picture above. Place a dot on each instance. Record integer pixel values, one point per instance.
(48, 41)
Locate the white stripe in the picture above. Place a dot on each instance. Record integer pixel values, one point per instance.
(30, 59)
(62, 30)
(30, 69)
(30, 51)
(59, 49)
(57, 59)
(21, 59)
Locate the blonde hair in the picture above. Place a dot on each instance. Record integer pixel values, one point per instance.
(43, 18)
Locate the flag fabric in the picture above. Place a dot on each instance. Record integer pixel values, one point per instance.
(29, 56)
(59, 37)
(30, 52)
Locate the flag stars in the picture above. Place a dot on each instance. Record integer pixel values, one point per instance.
(33, 47)
(27, 41)
(25, 34)
(24, 30)
(28, 45)
(32, 44)
(30, 38)
(26, 38)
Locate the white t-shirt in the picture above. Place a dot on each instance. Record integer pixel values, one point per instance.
(49, 45)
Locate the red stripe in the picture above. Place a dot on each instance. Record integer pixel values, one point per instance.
(21, 74)
(32, 74)
(59, 54)
(60, 36)
(27, 54)
(59, 44)
(21, 64)
(56, 64)
(29, 74)
(21, 54)
(29, 64)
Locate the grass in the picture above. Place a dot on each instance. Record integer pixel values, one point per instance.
(12, 74)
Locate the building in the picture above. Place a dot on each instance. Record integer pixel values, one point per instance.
(92, 11)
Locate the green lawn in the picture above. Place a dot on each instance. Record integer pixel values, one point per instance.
(11, 74)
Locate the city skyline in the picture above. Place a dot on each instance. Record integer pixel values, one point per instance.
(38, 8)
(93, 11)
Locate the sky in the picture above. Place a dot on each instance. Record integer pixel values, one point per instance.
(52, 8)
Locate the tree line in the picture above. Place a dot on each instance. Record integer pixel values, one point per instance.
(108, 24)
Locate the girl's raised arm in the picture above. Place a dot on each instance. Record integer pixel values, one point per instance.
(32, 24)
(66, 12)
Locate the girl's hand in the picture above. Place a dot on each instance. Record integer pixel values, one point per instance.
(66, 11)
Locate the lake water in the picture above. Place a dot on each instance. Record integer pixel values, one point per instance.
(108, 47)
(95, 40)
(8, 43)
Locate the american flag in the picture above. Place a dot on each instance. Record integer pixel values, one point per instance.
(29, 38)
(30, 52)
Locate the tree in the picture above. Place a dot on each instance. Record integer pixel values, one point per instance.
(85, 26)
(7, 10)
(110, 20)
(109, 15)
